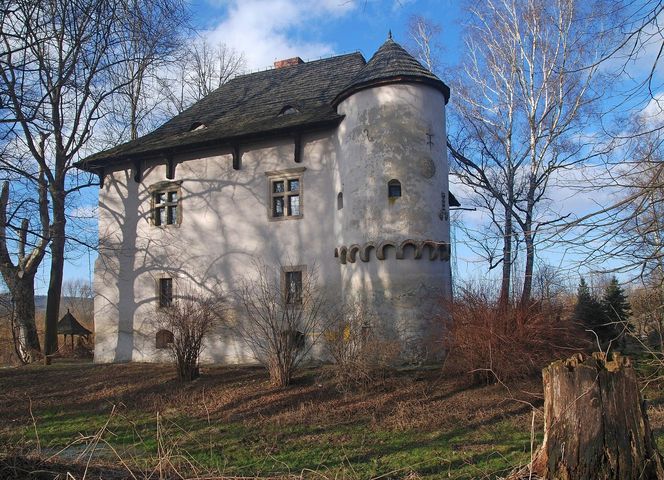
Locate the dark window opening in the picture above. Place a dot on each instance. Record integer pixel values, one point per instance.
(165, 292)
(340, 201)
(393, 189)
(164, 339)
(285, 197)
(293, 339)
(288, 110)
(293, 287)
(197, 126)
(165, 207)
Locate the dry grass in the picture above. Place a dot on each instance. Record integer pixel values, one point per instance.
(245, 394)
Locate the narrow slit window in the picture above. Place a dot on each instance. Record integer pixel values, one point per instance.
(165, 292)
(393, 189)
(293, 287)
(340, 201)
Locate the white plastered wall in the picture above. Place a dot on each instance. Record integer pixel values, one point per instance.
(225, 230)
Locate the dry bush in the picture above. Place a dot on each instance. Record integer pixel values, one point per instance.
(504, 343)
(361, 357)
(192, 316)
(281, 328)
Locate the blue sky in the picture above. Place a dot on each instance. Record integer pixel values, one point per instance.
(269, 30)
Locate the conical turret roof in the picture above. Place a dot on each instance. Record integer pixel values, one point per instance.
(392, 64)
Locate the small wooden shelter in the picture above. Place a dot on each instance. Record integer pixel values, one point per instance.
(68, 325)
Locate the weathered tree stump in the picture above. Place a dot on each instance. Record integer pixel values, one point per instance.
(595, 423)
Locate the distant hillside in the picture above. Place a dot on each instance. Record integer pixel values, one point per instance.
(40, 303)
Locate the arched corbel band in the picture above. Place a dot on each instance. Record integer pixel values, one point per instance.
(437, 250)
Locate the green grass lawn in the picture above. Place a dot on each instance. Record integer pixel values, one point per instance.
(231, 422)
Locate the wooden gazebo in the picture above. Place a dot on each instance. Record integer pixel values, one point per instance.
(68, 325)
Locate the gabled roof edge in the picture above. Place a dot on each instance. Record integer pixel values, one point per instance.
(92, 165)
(435, 83)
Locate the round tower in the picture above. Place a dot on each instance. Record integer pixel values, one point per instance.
(392, 224)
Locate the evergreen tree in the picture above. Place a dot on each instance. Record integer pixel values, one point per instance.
(588, 311)
(616, 309)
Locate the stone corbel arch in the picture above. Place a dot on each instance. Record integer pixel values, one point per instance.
(343, 252)
(380, 249)
(414, 243)
(365, 253)
(433, 247)
(444, 251)
(353, 250)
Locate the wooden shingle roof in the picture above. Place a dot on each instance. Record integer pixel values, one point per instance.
(392, 64)
(251, 106)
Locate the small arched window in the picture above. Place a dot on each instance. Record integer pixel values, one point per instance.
(164, 339)
(393, 188)
(340, 201)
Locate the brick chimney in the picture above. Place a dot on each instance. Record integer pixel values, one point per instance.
(288, 62)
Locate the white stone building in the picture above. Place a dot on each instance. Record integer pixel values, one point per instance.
(338, 163)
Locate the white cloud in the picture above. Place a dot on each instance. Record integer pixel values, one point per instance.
(653, 112)
(266, 30)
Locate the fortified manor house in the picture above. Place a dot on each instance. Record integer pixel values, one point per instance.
(337, 163)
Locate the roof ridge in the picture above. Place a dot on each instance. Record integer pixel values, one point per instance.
(308, 61)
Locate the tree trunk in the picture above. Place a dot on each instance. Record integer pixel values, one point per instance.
(57, 269)
(504, 296)
(595, 423)
(529, 239)
(27, 340)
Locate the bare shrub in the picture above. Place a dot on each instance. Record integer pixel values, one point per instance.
(191, 317)
(494, 342)
(362, 358)
(281, 323)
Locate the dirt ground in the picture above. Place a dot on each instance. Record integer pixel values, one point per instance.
(409, 399)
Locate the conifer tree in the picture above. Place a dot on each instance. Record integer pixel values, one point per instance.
(616, 309)
(588, 311)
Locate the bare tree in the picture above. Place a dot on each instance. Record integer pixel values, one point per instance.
(155, 37)
(79, 299)
(525, 97)
(281, 319)
(57, 72)
(19, 275)
(423, 41)
(191, 318)
(200, 69)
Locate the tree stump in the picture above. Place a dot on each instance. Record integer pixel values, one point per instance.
(595, 423)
